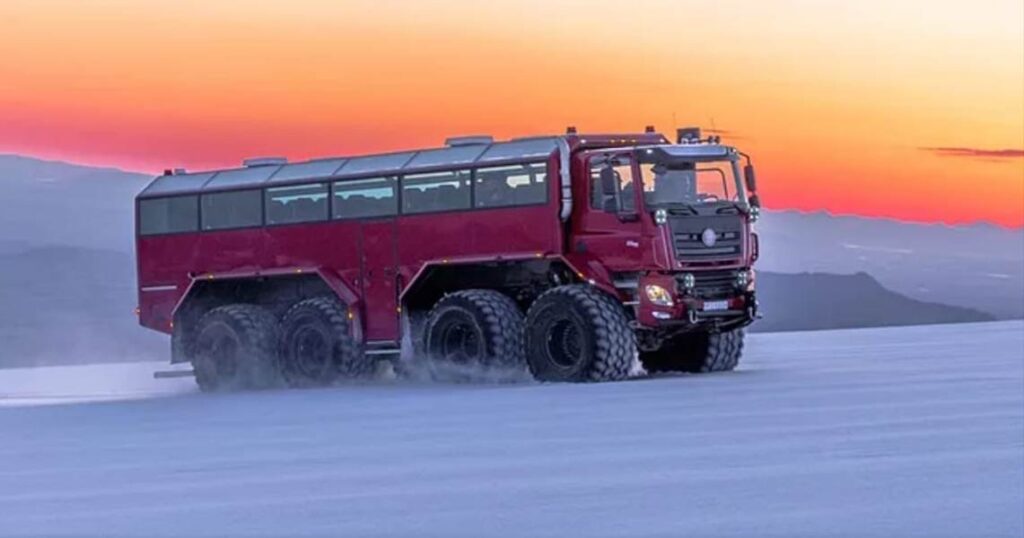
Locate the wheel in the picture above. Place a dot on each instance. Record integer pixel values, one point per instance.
(578, 333)
(235, 348)
(317, 345)
(470, 330)
(696, 353)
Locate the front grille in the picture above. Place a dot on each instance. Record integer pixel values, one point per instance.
(687, 238)
(711, 284)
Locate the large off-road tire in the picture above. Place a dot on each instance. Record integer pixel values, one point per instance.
(317, 345)
(472, 331)
(696, 353)
(235, 348)
(578, 333)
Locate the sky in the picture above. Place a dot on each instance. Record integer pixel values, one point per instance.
(904, 109)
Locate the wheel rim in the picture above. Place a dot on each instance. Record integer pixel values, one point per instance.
(310, 353)
(564, 343)
(457, 339)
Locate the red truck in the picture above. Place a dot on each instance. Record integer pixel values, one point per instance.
(569, 255)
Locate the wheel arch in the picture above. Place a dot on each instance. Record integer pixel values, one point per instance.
(276, 292)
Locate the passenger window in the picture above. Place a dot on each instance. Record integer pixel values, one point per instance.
(365, 198)
(236, 209)
(622, 171)
(299, 203)
(442, 191)
(504, 186)
(168, 215)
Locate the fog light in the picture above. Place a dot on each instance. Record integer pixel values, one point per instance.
(658, 295)
(660, 217)
(689, 281)
(742, 279)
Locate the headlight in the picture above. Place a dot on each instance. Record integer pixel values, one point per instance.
(689, 281)
(742, 279)
(660, 216)
(658, 295)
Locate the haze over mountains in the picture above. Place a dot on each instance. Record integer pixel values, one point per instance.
(67, 271)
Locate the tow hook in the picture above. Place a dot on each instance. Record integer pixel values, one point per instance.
(691, 316)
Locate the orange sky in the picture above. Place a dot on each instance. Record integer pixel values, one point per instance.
(837, 101)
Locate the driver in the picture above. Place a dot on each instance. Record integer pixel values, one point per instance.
(677, 184)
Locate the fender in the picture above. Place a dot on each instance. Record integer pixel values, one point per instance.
(344, 290)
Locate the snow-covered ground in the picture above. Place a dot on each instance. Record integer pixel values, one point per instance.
(892, 432)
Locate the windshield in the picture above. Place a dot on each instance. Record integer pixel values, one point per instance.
(692, 183)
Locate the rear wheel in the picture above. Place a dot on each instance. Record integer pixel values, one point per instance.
(317, 345)
(470, 330)
(235, 348)
(579, 333)
(697, 353)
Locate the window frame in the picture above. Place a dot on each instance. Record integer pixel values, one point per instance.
(395, 184)
(472, 192)
(263, 209)
(266, 205)
(526, 167)
(138, 211)
(633, 170)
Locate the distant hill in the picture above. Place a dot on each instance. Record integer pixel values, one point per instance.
(811, 301)
(978, 266)
(55, 203)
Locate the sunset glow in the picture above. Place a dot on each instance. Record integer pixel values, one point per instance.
(913, 111)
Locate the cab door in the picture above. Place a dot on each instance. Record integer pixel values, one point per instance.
(610, 224)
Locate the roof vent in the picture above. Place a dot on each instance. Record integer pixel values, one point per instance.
(478, 140)
(264, 161)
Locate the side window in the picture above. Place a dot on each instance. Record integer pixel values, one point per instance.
(299, 203)
(168, 215)
(442, 191)
(236, 209)
(624, 198)
(504, 186)
(365, 198)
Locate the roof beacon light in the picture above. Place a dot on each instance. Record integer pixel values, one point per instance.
(688, 135)
(570, 130)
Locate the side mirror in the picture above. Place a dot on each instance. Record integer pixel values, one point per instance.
(609, 182)
(748, 172)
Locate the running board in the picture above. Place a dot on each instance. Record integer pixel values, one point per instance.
(382, 347)
(168, 374)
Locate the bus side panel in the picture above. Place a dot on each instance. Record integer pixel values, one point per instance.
(230, 252)
(164, 263)
(333, 246)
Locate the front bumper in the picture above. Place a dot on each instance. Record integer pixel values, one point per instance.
(721, 308)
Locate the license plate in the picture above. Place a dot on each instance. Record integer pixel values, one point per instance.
(715, 306)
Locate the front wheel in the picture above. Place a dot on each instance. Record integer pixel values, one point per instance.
(697, 353)
(579, 333)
